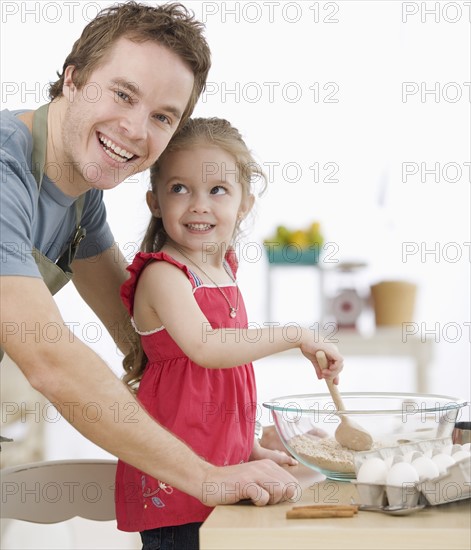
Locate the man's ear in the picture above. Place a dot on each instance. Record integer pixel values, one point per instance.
(69, 89)
(153, 204)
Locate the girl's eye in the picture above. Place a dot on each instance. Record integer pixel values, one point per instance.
(178, 188)
(218, 190)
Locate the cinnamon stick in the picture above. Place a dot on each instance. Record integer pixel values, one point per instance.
(349, 507)
(322, 511)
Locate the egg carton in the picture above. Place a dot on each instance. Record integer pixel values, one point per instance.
(451, 486)
(426, 446)
(383, 497)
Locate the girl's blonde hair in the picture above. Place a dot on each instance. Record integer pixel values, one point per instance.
(215, 132)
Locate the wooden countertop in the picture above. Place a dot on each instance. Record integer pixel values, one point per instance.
(244, 526)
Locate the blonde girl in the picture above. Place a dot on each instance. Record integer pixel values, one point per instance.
(193, 361)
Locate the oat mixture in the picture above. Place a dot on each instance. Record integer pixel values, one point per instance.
(325, 453)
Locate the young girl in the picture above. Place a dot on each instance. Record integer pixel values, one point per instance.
(194, 368)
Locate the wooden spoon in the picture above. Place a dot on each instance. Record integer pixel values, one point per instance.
(349, 434)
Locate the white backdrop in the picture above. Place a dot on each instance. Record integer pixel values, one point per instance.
(359, 113)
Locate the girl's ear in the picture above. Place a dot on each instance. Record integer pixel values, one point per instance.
(246, 206)
(153, 204)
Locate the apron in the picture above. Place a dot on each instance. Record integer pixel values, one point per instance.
(55, 274)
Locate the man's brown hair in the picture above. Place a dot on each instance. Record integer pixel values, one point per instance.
(170, 25)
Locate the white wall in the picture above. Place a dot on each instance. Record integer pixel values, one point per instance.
(358, 55)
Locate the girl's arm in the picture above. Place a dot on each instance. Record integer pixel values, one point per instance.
(280, 457)
(164, 296)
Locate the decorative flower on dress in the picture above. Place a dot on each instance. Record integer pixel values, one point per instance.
(148, 492)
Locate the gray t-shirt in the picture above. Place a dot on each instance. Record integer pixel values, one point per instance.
(48, 223)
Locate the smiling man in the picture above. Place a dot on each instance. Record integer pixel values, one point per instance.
(130, 81)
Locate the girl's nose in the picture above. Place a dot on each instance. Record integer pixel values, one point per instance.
(199, 203)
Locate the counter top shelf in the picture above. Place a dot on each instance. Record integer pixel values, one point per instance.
(243, 526)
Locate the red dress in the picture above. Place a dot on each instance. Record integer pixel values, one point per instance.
(212, 410)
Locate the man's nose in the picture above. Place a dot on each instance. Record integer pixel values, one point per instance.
(134, 125)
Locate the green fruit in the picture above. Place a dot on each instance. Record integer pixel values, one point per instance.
(283, 234)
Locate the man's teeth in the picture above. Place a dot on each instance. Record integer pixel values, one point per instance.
(199, 226)
(115, 152)
(115, 157)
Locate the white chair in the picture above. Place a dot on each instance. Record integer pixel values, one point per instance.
(67, 504)
(55, 491)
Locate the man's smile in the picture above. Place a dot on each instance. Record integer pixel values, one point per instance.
(113, 150)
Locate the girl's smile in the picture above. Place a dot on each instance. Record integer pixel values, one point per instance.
(199, 227)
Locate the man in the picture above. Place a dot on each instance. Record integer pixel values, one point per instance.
(130, 81)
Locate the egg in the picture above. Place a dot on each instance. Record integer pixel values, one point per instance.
(426, 468)
(443, 461)
(460, 455)
(411, 456)
(373, 470)
(400, 473)
(393, 459)
(446, 449)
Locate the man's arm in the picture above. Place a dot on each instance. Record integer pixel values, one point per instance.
(72, 377)
(98, 280)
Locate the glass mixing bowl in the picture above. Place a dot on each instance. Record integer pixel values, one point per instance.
(306, 424)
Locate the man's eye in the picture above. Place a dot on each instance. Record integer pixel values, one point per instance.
(163, 118)
(122, 95)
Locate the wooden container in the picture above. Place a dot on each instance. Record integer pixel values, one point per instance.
(393, 302)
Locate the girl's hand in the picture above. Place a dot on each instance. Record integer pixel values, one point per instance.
(280, 457)
(309, 348)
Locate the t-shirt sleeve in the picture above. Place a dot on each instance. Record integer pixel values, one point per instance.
(16, 218)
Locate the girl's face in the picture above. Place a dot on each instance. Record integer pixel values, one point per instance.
(199, 198)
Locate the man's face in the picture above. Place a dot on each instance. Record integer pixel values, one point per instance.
(122, 119)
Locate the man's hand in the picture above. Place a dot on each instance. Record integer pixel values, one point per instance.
(262, 481)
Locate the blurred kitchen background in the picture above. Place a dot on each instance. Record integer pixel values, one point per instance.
(358, 112)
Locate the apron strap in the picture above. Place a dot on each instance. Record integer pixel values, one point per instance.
(39, 143)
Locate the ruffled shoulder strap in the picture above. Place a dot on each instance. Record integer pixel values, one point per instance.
(140, 262)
